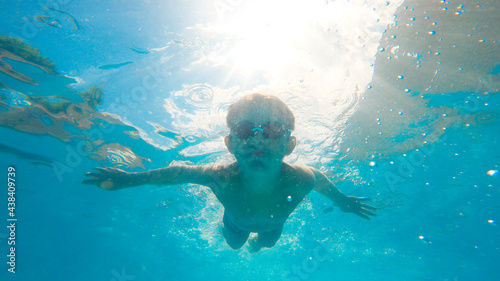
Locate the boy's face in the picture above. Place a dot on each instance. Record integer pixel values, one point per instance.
(258, 151)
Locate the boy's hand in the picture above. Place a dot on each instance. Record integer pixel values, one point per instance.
(108, 178)
(354, 205)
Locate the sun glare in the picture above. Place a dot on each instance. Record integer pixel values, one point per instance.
(268, 34)
(299, 40)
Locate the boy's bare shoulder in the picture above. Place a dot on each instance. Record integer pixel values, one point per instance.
(218, 169)
(299, 174)
(225, 170)
(219, 174)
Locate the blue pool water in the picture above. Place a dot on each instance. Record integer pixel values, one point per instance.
(394, 100)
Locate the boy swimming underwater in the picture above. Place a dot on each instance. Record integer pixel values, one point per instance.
(259, 191)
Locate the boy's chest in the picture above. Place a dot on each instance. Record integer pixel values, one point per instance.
(248, 208)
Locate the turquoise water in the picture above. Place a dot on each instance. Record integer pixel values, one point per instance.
(396, 101)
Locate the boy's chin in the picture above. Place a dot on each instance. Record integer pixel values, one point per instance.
(254, 164)
(261, 164)
(258, 165)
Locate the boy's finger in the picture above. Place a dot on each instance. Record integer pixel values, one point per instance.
(365, 211)
(91, 182)
(369, 207)
(363, 215)
(101, 170)
(93, 175)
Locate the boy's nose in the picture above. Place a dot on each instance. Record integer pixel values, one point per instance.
(258, 135)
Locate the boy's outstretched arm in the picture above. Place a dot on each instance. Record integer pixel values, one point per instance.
(213, 176)
(348, 204)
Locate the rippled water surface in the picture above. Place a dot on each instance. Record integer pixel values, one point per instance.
(393, 100)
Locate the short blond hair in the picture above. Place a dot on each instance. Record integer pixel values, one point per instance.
(252, 101)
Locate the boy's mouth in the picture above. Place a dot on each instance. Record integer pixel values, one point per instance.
(258, 153)
(254, 151)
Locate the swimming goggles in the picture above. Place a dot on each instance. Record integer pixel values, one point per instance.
(272, 130)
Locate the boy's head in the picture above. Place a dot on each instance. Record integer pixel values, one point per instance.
(249, 102)
(260, 131)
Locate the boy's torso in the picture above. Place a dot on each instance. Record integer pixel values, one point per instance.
(261, 212)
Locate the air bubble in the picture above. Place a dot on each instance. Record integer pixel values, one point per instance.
(492, 173)
(289, 198)
(424, 239)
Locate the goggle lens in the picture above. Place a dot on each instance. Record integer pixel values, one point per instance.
(273, 130)
(243, 130)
